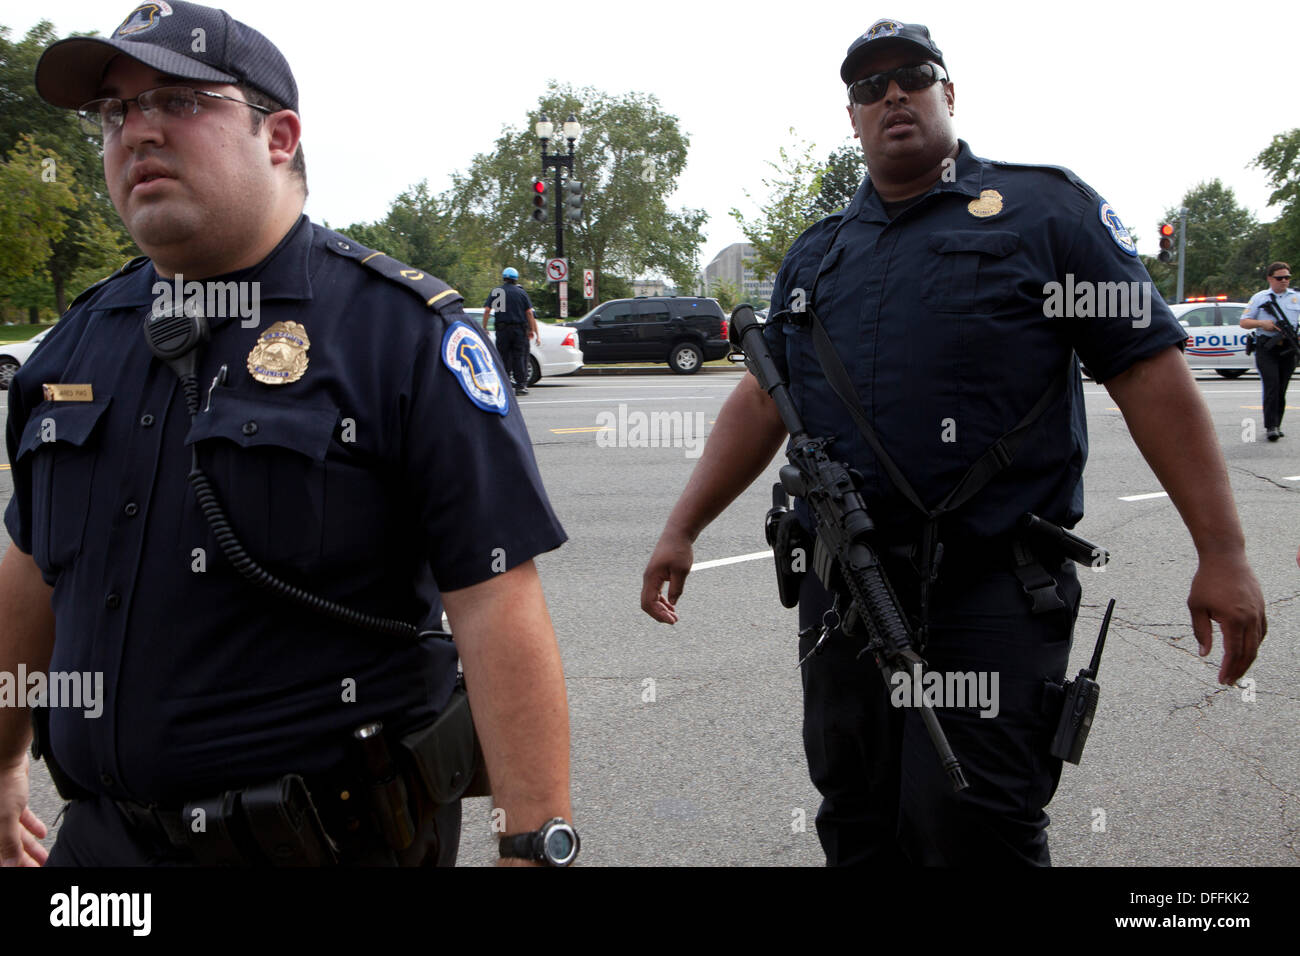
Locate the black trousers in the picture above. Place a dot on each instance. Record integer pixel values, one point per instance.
(1275, 370)
(95, 833)
(886, 799)
(512, 343)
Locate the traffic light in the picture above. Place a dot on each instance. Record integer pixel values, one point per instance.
(573, 201)
(539, 200)
(1166, 242)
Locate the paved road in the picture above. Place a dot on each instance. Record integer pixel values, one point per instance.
(686, 745)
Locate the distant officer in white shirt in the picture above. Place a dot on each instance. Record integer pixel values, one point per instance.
(1274, 358)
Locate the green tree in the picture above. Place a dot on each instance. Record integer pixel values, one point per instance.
(33, 209)
(726, 293)
(789, 210)
(1281, 160)
(839, 179)
(1221, 235)
(629, 158)
(94, 241)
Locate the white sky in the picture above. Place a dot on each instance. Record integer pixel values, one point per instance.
(1141, 99)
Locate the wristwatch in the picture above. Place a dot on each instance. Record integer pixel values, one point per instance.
(554, 844)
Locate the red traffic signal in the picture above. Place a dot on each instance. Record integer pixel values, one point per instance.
(539, 200)
(1166, 242)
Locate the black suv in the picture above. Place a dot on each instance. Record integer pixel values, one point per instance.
(682, 331)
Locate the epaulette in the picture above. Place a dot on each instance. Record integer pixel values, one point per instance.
(1059, 170)
(433, 292)
(129, 266)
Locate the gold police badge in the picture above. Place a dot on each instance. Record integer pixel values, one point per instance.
(280, 355)
(989, 204)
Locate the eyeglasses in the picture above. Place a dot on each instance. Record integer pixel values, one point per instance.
(106, 116)
(871, 89)
(1285, 278)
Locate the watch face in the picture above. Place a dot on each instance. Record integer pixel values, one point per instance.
(559, 845)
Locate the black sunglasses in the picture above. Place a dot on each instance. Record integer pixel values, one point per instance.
(1284, 278)
(871, 89)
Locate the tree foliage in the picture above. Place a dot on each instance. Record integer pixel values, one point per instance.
(34, 204)
(1281, 160)
(628, 159)
(93, 241)
(1224, 247)
(800, 192)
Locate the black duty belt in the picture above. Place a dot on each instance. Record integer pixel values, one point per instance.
(338, 798)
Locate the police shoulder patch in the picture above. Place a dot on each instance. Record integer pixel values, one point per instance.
(435, 293)
(468, 358)
(1118, 231)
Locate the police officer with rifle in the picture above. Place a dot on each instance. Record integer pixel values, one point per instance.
(941, 450)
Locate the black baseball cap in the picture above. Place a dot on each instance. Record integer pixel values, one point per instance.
(185, 40)
(887, 35)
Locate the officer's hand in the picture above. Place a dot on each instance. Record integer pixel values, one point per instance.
(1268, 325)
(20, 829)
(1225, 590)
(671, 562)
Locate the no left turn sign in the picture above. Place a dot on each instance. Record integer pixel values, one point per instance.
(557, 270)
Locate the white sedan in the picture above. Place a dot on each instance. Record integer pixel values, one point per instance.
(1215, 339)
(558, 353)
(14, 354)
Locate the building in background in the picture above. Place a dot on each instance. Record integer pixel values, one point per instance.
(650, 287)
(731, 265)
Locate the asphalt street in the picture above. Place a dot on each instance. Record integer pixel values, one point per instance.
(686, 740)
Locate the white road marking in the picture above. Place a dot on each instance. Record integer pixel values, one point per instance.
(1153, 494)
(1292, 478)
(757, 555)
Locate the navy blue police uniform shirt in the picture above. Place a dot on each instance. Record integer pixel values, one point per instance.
(394, 467)
(516, 308)
(947, 325)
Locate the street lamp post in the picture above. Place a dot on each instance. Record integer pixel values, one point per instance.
(545, 130)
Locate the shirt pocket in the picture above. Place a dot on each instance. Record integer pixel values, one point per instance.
(60, 442)
(266, 462)
(971, 270)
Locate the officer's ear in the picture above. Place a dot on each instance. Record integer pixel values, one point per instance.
(950, 94)
(284, 131)
(853, 121)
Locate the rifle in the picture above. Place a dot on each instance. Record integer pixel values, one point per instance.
(1284, 325)
(843, 559)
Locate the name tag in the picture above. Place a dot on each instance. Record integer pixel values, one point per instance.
(68, 393)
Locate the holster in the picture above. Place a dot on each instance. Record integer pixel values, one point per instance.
(446, 756)
(274, 823)
(791, 551)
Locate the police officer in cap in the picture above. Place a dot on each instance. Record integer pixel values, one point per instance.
(242, 529)
(940, 291)
(515, 325)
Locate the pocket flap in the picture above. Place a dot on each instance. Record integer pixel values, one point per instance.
(70, 422)
(991, 243)
(247, 421)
